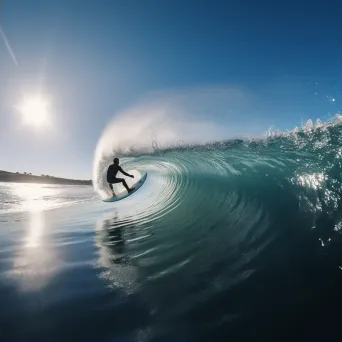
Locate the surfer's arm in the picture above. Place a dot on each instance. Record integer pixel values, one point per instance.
(125, 173)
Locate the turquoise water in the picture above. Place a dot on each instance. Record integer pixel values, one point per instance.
(231, 240)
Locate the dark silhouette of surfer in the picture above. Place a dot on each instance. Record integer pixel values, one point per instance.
(111, 176)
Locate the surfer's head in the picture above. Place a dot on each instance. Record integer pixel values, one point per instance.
(116, 161)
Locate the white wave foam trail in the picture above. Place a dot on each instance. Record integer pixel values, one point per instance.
(145, 128)
(185, 117)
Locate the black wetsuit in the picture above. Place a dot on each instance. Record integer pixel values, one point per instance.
(111, 174)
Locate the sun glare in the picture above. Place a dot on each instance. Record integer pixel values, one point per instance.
(34, 111)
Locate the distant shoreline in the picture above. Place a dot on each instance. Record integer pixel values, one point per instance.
(43, 179)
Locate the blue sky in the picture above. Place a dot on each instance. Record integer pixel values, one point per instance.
(93, 59)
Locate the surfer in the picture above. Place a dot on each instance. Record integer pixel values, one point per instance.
(111, 175)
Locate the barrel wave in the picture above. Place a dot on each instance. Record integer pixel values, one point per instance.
(230, 234)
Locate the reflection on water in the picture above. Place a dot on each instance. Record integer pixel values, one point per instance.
(16, 197)
(34, 236)
(36, 260)
(111, 241)
(32, 196)
(113, 237)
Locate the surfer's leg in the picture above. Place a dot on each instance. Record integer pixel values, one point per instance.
(121, 180)
(111, 186)
(125, 185)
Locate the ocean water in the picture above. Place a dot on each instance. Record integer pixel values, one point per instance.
(234, 240)
(18, 197)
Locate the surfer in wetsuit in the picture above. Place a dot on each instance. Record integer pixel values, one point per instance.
(111, 176)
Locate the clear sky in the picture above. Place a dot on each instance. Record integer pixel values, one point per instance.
(92, 59)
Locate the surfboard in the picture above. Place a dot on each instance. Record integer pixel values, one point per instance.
(125, 194)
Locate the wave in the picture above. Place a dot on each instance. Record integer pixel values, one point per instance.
(222, 212)
(243, 186)
(303, 163)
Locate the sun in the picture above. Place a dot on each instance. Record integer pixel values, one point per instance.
(34, 111)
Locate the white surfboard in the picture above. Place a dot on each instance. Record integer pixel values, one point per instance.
(125, 194)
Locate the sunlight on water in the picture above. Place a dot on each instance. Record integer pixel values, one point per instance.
(32, 196)
(313, 181)
(35, 231)
(16, 197)
(36, 261)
